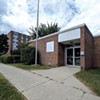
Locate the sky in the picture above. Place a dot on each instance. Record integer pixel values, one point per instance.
(19, 15)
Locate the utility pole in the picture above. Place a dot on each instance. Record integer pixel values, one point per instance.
(37, 33)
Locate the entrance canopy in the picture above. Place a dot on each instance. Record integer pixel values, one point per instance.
(71, 41)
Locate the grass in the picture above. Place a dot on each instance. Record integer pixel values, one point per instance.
(29, 67)
(90, 78)
(8, 92)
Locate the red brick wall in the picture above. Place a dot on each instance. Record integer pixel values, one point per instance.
(97, 51)
(10, 41)
(87, 47)
(19, 40)
(47, 58)
(61, 54)
(82, 47)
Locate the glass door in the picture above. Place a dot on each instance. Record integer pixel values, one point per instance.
(70, 56)
(77, 56)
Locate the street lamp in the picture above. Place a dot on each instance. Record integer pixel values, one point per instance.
(37, 33)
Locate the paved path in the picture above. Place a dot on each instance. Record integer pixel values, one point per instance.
(52, 84)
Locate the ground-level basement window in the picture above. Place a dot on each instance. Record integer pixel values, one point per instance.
(50, 46)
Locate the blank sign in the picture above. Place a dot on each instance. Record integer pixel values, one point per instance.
(50, 46)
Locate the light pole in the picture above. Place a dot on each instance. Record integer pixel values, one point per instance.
(37, 33)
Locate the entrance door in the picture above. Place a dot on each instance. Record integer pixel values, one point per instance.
(72, 56)
(77, 56)
(69, 56)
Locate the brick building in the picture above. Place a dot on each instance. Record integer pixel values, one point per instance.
(75, 47)
(15, 39)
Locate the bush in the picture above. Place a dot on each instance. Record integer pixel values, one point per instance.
(3, 58)
(28, 55)
(0, 57)
(15, 52)
(10, 58)
(16, 58)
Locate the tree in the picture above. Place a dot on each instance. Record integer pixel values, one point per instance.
(23, 45)
(28, 55)
(3, 44)
(44, 29)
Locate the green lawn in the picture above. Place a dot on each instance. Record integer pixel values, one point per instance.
(91, 78)
(29, 67)
(8, 92)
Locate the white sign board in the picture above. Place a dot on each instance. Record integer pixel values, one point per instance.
(69, 35)
(50, 46)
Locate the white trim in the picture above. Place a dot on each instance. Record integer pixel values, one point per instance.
(52, 34)
(59, 32)
(96, 36)
(72, 28)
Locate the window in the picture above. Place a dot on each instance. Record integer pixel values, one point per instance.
(50, 46)
(15, 47)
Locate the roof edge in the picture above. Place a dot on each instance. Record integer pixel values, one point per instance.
(17, 32)
(96, 36)
(72, 28)
(59, 32)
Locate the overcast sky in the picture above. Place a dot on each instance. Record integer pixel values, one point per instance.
(19, 15)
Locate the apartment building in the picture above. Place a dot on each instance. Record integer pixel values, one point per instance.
(15, 40)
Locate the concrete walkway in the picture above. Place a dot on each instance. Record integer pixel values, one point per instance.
(52, 84)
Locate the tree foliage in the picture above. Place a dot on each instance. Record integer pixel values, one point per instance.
(15, 52)
(44, 29)
(3, 43)
(23, 45)
(28, 55)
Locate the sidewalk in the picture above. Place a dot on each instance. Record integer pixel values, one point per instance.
(39, 86)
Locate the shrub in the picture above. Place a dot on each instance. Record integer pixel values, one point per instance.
(28, 55)
(10, 58)
(15, 58)
(3, 58)
(15, 52)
